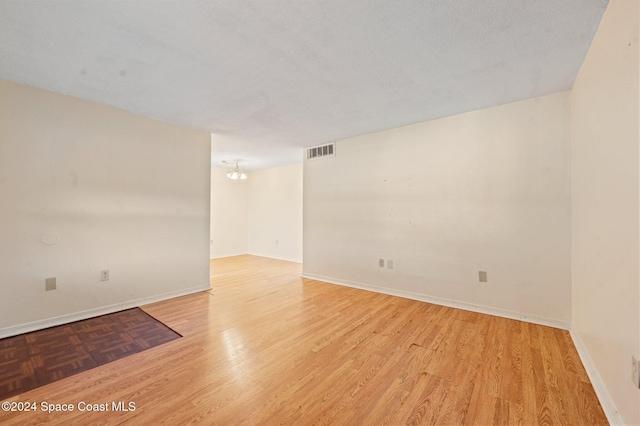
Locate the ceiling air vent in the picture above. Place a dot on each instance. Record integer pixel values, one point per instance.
(321, 151)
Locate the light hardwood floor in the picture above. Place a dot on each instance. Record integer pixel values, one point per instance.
(265, 347)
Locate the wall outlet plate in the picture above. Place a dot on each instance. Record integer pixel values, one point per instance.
(104, 275)
(635, 374)
(381, 263)
(390, 264)
(482, 276)
(50, 283)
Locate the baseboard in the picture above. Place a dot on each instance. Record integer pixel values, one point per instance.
(226, 255)
(276, 258)
(286, 259)
(610, 410)
(447, 302)
(103, 310)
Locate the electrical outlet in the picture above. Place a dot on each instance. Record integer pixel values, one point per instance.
(635, 374)
(104, 275)
(482, 276)
(381, 263)
(50, 284)
(390, 264)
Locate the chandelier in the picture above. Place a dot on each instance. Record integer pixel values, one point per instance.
(236, 173)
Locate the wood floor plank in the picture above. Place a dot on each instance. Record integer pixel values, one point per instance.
(265, 346)
(394, 394)
(531, 384)
(430, 402)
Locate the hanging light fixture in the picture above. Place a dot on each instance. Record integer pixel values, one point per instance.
(236, 173)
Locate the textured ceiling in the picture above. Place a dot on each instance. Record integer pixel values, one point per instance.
(267, 77)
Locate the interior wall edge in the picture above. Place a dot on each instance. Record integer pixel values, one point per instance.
(598, 384)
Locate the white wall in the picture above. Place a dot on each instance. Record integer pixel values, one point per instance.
(261, 215)
(275, 213)
(605, 205)
(121, 191)
(229, 205)
(486, 190)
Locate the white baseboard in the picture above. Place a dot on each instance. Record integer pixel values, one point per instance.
(550, 322)
(276, 258)
(286, 259)
(610, 410)
(103, 310)
(227, 255)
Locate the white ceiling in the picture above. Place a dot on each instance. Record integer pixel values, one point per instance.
(267, 77)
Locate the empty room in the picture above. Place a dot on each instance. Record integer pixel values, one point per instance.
(320, 212)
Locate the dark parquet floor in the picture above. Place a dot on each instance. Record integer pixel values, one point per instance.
(34, 359)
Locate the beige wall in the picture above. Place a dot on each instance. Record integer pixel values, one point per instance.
(605, 205)
(229, 214)
(261, 215)
(121, 191)
(487, 190)
(275, 213)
